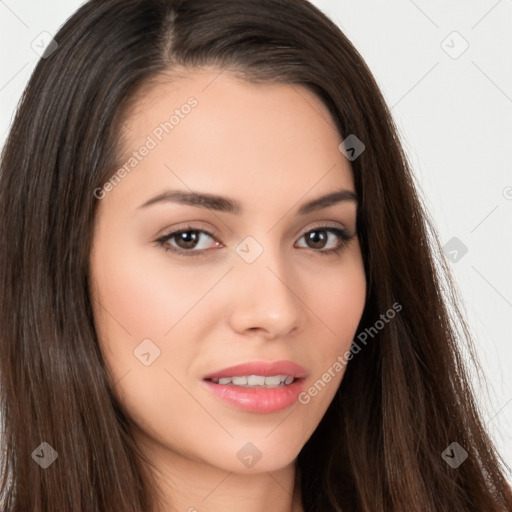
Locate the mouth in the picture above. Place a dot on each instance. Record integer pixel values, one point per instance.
(255, 381)
(260, 387)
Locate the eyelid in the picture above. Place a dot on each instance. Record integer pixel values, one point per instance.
(161, 240)
(213, 232)
(187, 226)
(325, 224)
(344, 235)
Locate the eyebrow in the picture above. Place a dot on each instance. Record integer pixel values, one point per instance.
(224, 204)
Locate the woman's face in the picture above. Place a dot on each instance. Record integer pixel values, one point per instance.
(262, 275)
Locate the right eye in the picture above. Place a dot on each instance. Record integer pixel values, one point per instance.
(187, 240)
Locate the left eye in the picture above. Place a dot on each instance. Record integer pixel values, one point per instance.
(324, 240)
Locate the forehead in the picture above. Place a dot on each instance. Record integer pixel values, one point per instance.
(208, 130)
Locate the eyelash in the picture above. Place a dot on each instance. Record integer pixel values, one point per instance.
(342, 234)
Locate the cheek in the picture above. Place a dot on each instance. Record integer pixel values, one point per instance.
(130, 304)
(338, 301)
(143, 303)
(136, 302)
(144, 293)
(342, 302)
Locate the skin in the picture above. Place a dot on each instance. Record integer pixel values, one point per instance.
(272, 148)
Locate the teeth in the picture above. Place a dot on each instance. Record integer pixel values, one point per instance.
(273, 381)
(256, 380)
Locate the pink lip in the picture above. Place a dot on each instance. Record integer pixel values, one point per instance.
(264, 368)
(259, 400)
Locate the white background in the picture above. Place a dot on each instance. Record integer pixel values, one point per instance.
(454, 116)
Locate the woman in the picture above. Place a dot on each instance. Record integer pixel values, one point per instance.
(218, 283)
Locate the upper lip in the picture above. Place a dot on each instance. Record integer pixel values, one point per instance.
(263, 368)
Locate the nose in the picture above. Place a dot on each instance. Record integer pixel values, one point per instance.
(265, 300)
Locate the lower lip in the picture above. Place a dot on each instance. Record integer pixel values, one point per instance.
(260, 400)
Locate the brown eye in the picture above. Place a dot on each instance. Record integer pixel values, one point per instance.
(186, 239)
(316, 239)
(325, 240)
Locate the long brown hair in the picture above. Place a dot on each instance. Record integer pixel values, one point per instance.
(404, 399)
